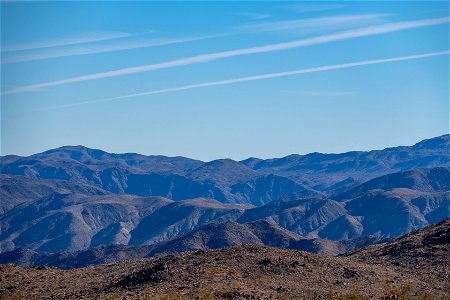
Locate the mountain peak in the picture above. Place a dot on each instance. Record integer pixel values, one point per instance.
(434, 143)
(79, 153)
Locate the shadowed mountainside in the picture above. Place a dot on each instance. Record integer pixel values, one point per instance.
(423, 180)
(385, 207)
(70, 222)
(17, 190)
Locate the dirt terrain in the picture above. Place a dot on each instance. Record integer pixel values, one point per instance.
(414, 265)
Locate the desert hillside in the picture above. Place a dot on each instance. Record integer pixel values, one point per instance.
(413, 265)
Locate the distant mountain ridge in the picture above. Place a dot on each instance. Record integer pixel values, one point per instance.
(226, 180)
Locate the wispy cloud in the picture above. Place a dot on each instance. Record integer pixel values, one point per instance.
(265, 76)
(324, 93)
(313, 7)
(7, 1)
(91, 49)
(85, 38)
(362, 32)
(315, 24)
(253, 16)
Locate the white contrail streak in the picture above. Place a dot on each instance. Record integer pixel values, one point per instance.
(265, 76)
(90, 38)
(93, 49)
(366, 31)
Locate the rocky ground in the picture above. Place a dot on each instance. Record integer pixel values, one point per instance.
(413, 266)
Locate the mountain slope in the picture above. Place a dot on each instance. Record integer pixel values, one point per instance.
(264, 189)
(219, 235)
(70, 222)
(16, 190)
(182, 217)
(303, 216)
(424, 180)
(385, 207)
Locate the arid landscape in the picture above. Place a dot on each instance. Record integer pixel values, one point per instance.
(205, 150)
(71, 229)
(415, 266)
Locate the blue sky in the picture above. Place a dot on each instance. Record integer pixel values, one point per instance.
(217, 79)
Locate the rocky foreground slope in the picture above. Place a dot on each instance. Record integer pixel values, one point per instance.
(414, 265)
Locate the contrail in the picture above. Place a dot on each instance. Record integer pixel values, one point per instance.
(366, 31)
(265, 76)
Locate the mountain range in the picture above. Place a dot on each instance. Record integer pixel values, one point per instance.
(252, 181)
(76, 199)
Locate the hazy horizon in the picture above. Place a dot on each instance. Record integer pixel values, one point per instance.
(218, 158)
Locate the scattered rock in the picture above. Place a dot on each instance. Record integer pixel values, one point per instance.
(154, 274)
(350, 273)
(265, 262)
